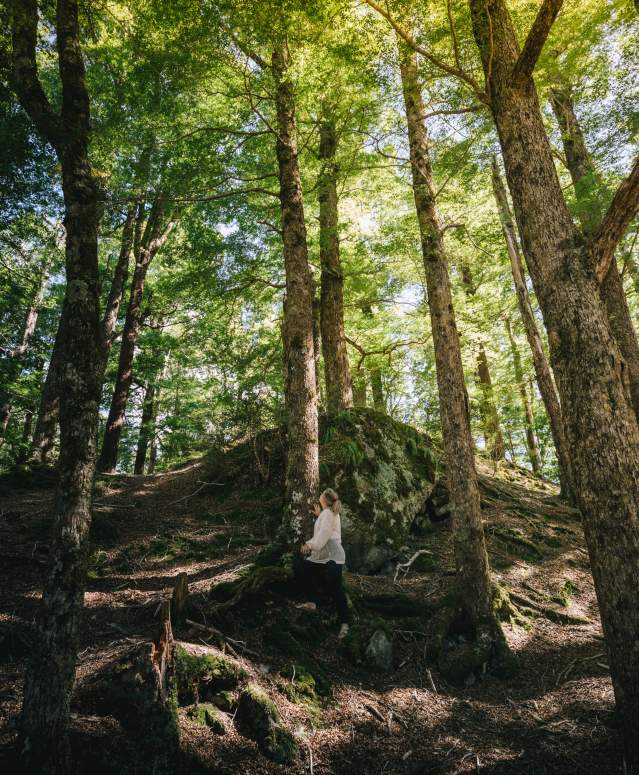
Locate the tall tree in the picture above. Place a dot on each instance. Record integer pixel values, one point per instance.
(473, 575)
(566, 271)
(543, 373)
(302, 464)
(489, 413)
(51, 670)
(531, 440)
(161, 220)
(590, 207)
(337, 376)
(13, 362)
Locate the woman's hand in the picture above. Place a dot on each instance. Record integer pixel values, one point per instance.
(317, 509)
(305, 549)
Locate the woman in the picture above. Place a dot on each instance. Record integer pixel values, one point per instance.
(325, 561)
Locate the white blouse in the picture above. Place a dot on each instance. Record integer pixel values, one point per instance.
(326, 544)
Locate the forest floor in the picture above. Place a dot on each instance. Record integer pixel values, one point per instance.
(555, 715)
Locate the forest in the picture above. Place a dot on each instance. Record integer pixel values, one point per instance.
(275, 271)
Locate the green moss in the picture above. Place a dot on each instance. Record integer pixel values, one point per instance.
(224, 700)
(200, 675)
(565, 594)
(517, 542)
(257, 718)
(207, 715)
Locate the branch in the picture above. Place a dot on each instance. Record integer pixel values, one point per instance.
(536, 38)
(614, 223)
(412, 43)
(25, 72)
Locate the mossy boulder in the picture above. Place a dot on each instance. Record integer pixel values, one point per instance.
(258, 719)
(207, 715)
(201, 673)
(383, 470)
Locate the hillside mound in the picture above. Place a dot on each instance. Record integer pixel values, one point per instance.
(263, 687)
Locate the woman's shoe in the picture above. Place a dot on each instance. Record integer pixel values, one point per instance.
(307, 606)
(343, 631)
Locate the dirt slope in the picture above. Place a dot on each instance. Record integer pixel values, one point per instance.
(555, 715)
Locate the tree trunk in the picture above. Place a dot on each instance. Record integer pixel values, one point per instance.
(51, 670)
(23, 452)
(545, 380)
(531, 440)
(377, 388)
(154, 238)
(359, 389)
(302, 463)
(489, 414)
(147, 428)
(473, 577)
(337, 375)
(601, 425)
(16, 358)
(590, 209)
(317, 346)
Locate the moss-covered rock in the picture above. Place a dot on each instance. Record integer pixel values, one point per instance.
(201, 673)
(257, 718)
(383, 470)
(207, 715)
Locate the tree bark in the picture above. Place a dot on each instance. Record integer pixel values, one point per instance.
(155, 235)
(359, 389)
(601, 425)
(490, 415)
(473, 577)
(337, 375)
(531, 440)
(51, 670)
(27, 426)
(590, 209)
(544, 376)
(377, 388)
(147, 428)
(302, 463)
(16, 357)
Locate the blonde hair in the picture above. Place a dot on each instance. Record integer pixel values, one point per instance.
(334, 503)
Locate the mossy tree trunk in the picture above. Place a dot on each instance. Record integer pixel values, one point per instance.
(302, 464)
(565, 268)
(531, 439)
(51, 670)
(473, 575)
(337, 375)
(543, 373)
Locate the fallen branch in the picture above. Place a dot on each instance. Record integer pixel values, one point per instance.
(404, 567)
(190, 495)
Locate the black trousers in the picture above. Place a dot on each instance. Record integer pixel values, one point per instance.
(317, 577)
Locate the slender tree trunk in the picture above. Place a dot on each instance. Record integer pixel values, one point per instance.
(377, 388)
(16, 358)
(531, 440)
(600, 422)
(490, 415)
(359, 389)
(337, 375)
(147, 427)
(302, 463)
(51, 670)
(27, 427)
(590, 208)
(154, 238)
(317, 346)
(545, 380)
(473, 575)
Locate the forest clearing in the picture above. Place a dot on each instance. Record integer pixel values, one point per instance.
(319, 386)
